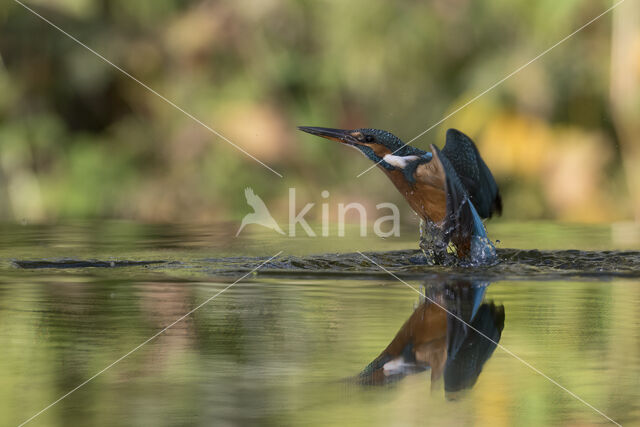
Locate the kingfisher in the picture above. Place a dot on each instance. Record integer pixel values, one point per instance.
(451, 189)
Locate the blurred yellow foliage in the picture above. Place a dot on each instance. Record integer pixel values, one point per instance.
(516, 145)
(568, 163)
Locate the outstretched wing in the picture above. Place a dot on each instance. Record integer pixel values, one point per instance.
(459, 224)
(441, 197)
(254, 201)
(473, 173)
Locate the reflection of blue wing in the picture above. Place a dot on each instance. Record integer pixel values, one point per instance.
(468, 350)
(478, 291)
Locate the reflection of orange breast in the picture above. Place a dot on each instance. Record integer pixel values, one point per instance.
(427, 324)
(426, 331)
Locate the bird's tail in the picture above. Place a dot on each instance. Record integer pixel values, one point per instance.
(478, 226)
(482, 249)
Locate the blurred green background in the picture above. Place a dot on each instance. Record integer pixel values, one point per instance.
(78, 139)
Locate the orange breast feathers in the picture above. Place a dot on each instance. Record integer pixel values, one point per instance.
(427, 197)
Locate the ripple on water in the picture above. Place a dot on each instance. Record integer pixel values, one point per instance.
(510, 264)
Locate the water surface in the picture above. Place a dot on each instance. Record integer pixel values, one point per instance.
(291, 343)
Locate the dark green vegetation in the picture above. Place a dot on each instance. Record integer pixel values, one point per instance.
(80, 139)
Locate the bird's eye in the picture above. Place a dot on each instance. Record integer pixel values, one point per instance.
(369, 138)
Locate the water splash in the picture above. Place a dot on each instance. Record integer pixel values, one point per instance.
(483, 251)
(438, 250)
(434, 244)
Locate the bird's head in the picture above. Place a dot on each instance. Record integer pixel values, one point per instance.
(373, 143)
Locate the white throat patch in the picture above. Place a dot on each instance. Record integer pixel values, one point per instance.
(399, 161)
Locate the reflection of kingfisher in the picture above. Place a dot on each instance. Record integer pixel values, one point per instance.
(450, 189)
(433, 339)
(260, 216)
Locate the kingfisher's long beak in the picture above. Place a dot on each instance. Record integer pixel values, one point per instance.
(339, 135)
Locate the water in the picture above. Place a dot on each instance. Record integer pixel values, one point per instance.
(291, 343)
